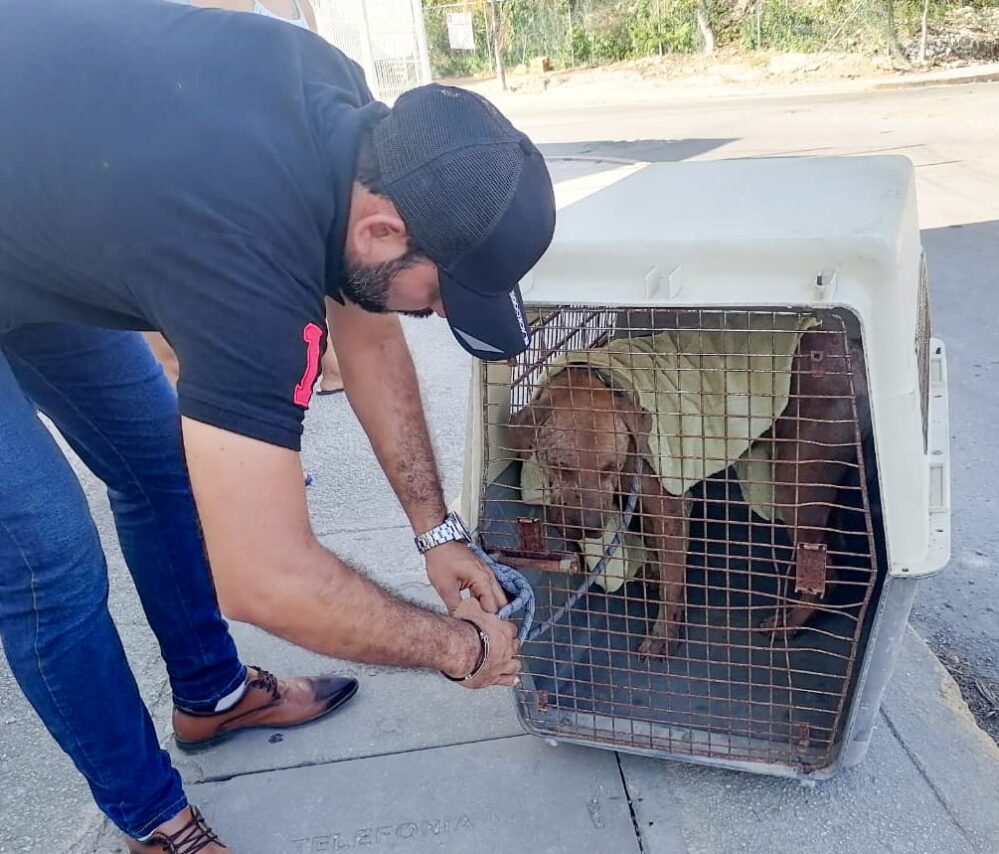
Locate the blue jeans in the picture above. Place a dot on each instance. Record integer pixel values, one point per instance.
(110, 400)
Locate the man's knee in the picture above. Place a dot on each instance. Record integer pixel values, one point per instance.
(54, 573)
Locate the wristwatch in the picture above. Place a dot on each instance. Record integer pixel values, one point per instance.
(448, 531)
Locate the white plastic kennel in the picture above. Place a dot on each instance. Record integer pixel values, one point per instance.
(734, 397)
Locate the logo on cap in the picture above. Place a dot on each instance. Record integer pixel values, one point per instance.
(520, 318)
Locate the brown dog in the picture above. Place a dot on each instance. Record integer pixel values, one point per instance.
(590, 440)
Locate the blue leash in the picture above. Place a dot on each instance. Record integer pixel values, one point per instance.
(518, 587)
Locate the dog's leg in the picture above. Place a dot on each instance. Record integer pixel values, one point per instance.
(815, 442)
(664, 520)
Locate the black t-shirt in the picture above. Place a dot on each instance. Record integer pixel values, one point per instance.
(185, 170)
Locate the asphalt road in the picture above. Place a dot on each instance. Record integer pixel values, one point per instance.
(950, 134)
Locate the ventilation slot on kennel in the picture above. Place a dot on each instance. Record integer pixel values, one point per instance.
(726, 452)
(923, 343)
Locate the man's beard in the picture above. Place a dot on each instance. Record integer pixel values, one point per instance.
(367, 285)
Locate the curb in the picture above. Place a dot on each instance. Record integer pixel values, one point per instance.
(650, 96)
(924, 709)
(991, 76)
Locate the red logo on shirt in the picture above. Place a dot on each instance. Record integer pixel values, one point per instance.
(312, 335)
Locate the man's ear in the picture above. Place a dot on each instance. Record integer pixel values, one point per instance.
(522, 432)
(378, 236)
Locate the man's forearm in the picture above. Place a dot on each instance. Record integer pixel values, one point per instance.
(325, 605)
(270, 570)
(385, 394)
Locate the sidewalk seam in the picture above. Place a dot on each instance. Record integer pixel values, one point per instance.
(929, 781)
(334, 531)
(639, 838)
(319, 763)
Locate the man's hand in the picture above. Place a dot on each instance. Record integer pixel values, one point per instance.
(453, 567)
(501, 667)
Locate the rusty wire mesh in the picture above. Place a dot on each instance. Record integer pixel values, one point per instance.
(743, 437)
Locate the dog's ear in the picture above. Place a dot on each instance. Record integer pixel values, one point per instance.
(637, 421)
(523, 429)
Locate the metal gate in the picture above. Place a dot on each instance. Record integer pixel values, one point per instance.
(693, 495)
(386, 37)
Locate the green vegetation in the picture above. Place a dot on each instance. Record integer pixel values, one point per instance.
(570, 33)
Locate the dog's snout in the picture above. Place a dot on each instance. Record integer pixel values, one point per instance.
(578, 523)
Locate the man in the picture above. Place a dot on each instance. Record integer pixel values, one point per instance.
(213, 176)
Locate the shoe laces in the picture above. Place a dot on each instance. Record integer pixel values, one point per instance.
(191, 838)
(264, 679)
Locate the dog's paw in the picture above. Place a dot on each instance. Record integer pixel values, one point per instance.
(655, 647)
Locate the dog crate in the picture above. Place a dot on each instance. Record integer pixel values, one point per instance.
(723, 462)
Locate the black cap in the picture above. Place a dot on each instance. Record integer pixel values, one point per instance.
(476, 196)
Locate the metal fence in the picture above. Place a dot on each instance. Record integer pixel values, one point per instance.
(387, 38)
(555, 34)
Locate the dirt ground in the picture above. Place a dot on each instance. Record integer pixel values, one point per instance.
(979, 692)
(726, 67)
(727, 73)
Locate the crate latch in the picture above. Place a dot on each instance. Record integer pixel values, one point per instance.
(530, 535)
(532, 551)
(810, 568)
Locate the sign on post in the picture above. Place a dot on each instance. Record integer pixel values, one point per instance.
(460, 34)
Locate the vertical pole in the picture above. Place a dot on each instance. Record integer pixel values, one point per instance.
(368, 54)
(704, 25)
(497, 53)
(486, 22)
(659, 28)
(891, 34)
(923, 33)
(422, 51)
(572, 47)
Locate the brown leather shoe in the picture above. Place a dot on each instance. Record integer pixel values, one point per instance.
(269, 702)
(187, 833)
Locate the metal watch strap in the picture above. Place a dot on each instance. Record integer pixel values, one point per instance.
(483, 655)
(452, 529)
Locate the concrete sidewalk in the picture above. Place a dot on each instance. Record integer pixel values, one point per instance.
(415, 764)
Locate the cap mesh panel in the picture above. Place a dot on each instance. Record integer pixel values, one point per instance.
(450, 162)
